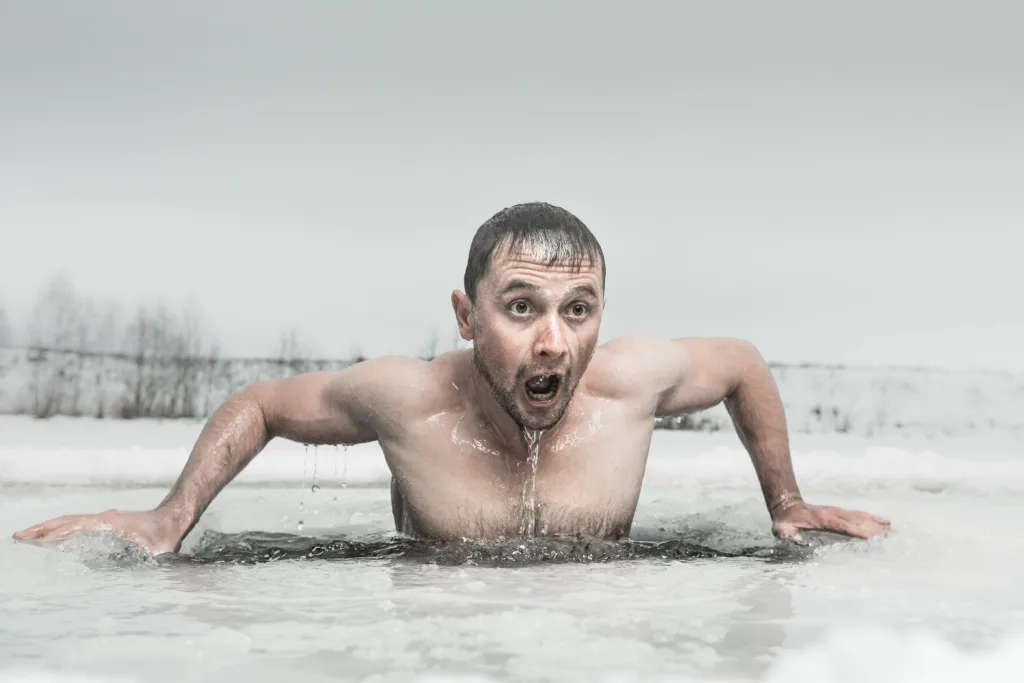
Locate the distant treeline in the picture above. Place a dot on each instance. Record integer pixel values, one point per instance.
(77, 358)
(46, 382)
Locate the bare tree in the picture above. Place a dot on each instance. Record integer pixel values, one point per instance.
(212, 370)
(172, 363)
(55, 322)
(293, 356)
(56, 331)
(107, 333)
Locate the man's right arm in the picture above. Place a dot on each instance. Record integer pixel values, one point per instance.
(314, 408)
(344, 407)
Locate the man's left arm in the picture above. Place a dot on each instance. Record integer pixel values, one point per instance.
(708, 371)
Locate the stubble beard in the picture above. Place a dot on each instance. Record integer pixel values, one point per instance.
(506, 398)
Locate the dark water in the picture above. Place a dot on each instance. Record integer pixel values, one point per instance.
(259, 547)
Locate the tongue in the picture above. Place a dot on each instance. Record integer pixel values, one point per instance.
(542, 384)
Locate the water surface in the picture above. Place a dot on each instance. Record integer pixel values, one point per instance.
(701, 591)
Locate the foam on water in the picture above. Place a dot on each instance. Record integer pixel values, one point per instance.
(700, 592)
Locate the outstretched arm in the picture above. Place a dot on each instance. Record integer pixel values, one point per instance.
(706, 371)
(313, 408)
(316, 408)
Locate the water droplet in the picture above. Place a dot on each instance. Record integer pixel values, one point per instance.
(314, 488)
(305, 465)
(316, 453)
(344, 467)
(300, 525)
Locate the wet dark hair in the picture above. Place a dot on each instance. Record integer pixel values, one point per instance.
(536, 226)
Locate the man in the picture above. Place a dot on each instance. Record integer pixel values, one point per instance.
(457, 431)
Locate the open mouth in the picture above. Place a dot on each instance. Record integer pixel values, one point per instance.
(543, 388)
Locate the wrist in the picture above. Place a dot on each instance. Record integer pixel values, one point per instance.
(178, 517)
(783, 503)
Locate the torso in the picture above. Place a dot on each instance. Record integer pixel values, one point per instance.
(454, 480)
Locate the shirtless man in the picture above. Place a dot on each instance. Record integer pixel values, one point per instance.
(456, 431)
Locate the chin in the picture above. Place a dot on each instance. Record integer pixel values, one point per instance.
(531, 418)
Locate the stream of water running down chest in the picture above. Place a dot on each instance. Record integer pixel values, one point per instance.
(529, 525)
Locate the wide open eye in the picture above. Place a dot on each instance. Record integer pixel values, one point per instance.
(519, 307)
(578, 310)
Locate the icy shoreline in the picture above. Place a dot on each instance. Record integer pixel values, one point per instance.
(862, 401)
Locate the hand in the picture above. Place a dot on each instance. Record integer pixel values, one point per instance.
(826, 518)
(154, 530)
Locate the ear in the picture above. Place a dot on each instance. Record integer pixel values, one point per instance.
(463, 308)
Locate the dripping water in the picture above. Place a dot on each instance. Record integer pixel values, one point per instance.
(315, 487)
(344, 471)
(302, 505)
(344, 467)
(334, 500)
(529, 526)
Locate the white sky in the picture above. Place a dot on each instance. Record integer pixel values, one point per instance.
(833, 181)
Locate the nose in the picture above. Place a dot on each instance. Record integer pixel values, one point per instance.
(551, 341)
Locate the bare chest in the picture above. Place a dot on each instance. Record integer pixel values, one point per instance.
(452, 481)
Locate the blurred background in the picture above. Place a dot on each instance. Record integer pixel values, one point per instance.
(839, 183)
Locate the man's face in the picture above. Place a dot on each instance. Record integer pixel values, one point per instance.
(534, 329)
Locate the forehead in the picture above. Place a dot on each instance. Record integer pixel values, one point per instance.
(540, 268)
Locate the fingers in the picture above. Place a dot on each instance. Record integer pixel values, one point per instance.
(856, 524)
(859, 515)
(881, 521)
(58, 529)
(42, 528)
(850, 527)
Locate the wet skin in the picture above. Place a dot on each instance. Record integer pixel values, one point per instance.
(455, 431)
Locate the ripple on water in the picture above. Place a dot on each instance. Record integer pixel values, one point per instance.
(259, 547)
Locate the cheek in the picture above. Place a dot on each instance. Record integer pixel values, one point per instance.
(499, 348)
(586, 343)
(503, 339)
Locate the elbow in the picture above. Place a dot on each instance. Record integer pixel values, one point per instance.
(253, 402)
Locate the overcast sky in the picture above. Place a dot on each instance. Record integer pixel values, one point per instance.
(833, 181)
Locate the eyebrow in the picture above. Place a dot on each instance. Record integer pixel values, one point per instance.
(516, 285)
(584, 289)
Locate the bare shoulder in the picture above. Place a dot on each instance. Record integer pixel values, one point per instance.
(401, 385)
(356, 404)
(657, 371)
(631, 366)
